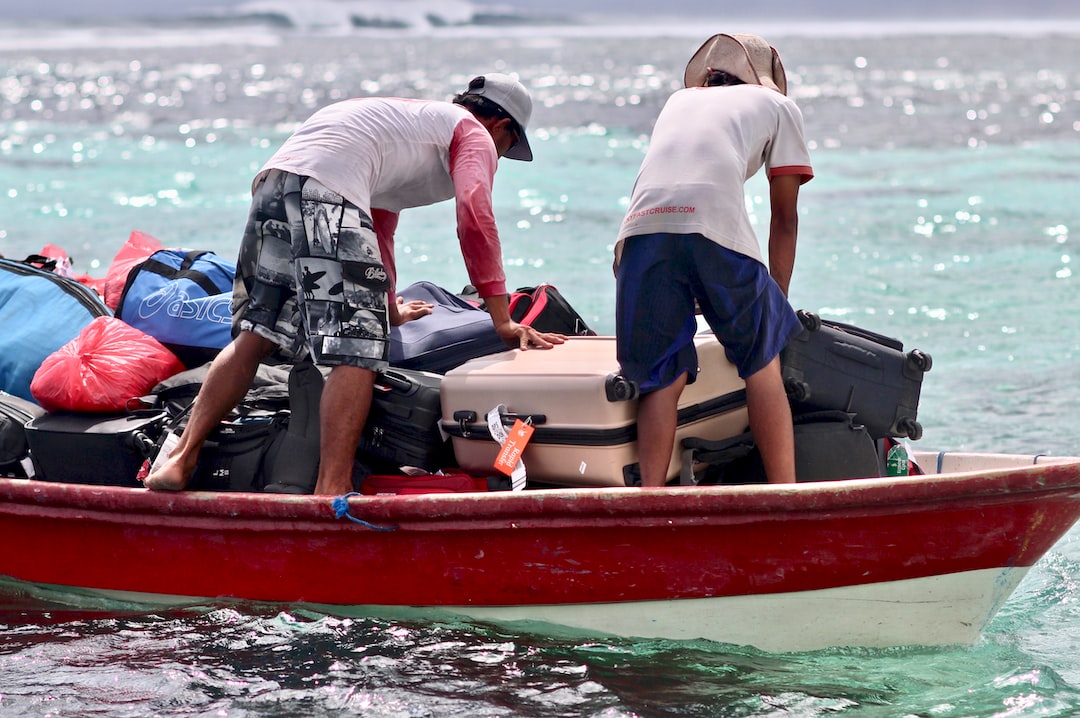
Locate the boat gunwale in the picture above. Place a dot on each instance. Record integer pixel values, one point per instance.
(692, 505)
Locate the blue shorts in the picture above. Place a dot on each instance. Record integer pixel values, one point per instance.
(310, 277)
(658, 280)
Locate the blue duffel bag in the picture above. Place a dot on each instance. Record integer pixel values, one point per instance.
(181, 298)
(453, 333)
(39, 312)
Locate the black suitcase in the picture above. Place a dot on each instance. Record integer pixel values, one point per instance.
(453, 333)
(105, 449)
(402, 428)
(15, 413)
(829, 446)
(837, 366)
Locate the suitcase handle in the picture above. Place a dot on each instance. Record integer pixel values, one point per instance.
(857, 354)
(464, 417)
(812, 322)
(392, 380)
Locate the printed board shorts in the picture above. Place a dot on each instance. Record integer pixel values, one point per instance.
(658, 280)
(309, 276)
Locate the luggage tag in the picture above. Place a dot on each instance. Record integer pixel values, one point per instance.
(513, 444)
(512, 448)
(167, 444)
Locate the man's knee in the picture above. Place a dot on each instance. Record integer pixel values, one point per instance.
(250, 346)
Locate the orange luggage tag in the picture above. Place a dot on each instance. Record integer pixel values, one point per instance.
(514, 446)
(508, 460)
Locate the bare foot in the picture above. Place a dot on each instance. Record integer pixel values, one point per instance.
(170, 476)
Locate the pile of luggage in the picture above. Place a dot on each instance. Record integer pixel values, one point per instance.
(105, 370)
(96, 376)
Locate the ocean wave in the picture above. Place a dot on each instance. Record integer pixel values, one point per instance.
(349, 15)
(270, 22)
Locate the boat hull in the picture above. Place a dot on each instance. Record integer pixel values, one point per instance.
(920, 560)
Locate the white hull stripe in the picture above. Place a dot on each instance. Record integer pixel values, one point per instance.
(950, 609)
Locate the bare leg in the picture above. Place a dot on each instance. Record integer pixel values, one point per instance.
(770, 422)
(346, 399)
(226, 383)
(658, 417)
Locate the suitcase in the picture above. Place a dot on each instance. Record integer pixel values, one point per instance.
(838, 366)
(104, 449)
(584, 411)
(829, 446)
(453, 333)
(402, 428)
(15, 413)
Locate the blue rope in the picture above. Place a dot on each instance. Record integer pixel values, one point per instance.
(341, 510)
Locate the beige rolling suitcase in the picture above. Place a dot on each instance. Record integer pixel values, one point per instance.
(584, 412)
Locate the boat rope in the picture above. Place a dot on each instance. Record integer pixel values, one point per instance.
(341, 510)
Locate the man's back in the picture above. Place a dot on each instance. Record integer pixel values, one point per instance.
(706, 143)
(389, 153)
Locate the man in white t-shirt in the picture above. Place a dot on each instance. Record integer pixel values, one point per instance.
(316, 272)
(687, 238)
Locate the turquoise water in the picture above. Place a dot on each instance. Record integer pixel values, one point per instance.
(943, 213)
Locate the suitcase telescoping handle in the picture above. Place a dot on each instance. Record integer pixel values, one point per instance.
(464, 417)
(393, 380)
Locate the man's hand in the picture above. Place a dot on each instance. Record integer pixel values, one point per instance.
(522, 336)
(402, 311)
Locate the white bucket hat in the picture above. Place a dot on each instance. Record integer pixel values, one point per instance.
(511, 96)
(747, 57)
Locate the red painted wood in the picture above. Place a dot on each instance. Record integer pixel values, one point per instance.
(537, 547)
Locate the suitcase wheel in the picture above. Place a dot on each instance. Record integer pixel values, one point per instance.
(920, 360)
(619, 388)
(910, 428)
(811, 321)
(797, 390)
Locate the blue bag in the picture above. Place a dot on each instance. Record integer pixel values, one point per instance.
(453, 333)
(39, 312)
(181, 298)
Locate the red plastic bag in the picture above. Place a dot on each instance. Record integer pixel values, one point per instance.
(64, 268)
(138, 247)
(100, 370)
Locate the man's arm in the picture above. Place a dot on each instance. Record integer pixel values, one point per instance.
(472, 168)
(783, 227)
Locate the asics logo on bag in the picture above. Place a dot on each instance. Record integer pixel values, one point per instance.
(176, 303)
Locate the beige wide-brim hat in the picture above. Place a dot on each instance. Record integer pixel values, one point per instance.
(747, 57)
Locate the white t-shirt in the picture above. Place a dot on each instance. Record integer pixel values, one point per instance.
(387, 154)
(706, 143)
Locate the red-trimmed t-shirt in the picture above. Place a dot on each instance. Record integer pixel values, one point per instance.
(706, 143)
(387, 154)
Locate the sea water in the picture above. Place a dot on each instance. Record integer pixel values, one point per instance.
(943, 212)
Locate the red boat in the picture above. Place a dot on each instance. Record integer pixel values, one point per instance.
(919, 560)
